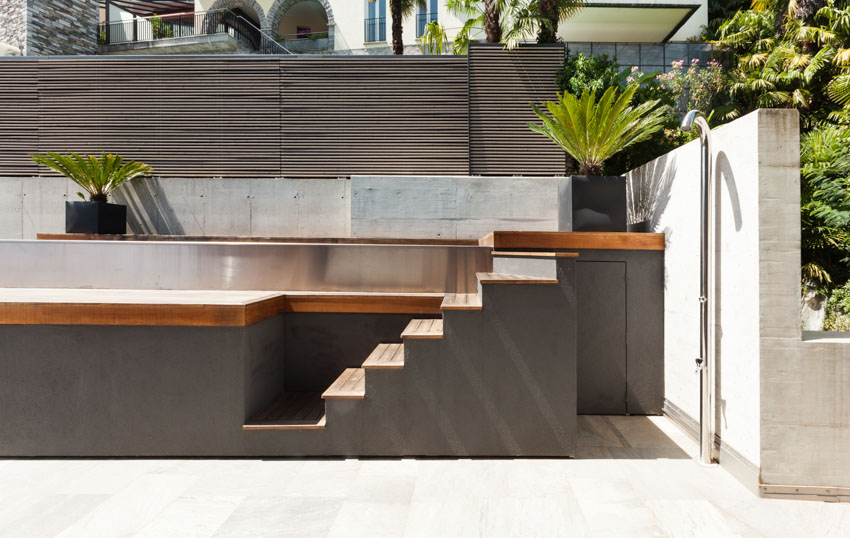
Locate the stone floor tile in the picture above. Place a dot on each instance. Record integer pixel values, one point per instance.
(370, 519)
(256, 478)
(620, 518)
(45, 515)
(191, 517)
(447, 518)
(323, 478)
(132, 508)
(278, 517)
(532, 517)
(690, 518)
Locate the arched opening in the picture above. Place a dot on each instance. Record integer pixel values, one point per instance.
(303, 25)
(242, 19)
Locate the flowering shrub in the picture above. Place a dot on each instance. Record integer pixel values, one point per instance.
(696, 88)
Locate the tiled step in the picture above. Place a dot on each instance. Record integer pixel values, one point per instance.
(501, 278)
(351, 384)
(385, 357)
(290, 411)
(423, 328)
(461, 301)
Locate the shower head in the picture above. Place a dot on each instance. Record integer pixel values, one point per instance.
(689, 119)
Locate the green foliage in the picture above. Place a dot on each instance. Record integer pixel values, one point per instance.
(825, 204)
(160, 28)
(797, 54)
(718, 12)
(98, 176)
(592, 131)
(519, 21)
(581, 72)
(838, 310)
(101, 38)
(434, 39)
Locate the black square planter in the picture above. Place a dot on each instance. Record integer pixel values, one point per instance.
(593, 204)
(95, 218)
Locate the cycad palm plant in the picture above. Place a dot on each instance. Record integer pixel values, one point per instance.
(98, 176)
(592, 131)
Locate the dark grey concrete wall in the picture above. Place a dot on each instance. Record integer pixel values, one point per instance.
(319, 346)
(501, 382)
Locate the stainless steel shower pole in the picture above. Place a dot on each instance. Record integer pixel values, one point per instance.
(706, 360)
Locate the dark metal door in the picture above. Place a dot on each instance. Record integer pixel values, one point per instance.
(601, 332)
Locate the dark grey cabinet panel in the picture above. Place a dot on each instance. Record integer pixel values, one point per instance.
(601, 337)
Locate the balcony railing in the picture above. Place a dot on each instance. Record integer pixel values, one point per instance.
(375, 30)
(421, 20)
(220, 21)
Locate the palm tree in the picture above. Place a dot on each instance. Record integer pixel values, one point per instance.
(492, 21)
(400, 10)
(552, 12)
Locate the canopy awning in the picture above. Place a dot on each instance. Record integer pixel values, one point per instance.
(627, 22)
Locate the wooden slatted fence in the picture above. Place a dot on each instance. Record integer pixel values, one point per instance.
(303, 116)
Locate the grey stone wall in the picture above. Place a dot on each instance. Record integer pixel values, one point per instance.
(13, 23)
(62, 27)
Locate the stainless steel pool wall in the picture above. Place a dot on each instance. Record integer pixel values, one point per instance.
(241, 266)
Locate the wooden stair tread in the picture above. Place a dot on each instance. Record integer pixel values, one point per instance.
(502, 278)
(350, 384)
(424, 328)
(290, 411)
(461, 301)
(385, 357)
(534, 254)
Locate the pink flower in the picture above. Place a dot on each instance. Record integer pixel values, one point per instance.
(634, 68)
(630, 79)
(695, 61)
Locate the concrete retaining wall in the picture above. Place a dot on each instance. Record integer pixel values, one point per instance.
(782, 408)
(364, 206)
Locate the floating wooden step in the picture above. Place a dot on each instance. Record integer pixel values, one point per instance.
(385, 357)
(461, 301)
(290, 411)
(423, 328)
(501, 278)
(534, 254)
(351, 384)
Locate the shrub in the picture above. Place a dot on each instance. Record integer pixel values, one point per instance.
(595, 73)
(838, 310)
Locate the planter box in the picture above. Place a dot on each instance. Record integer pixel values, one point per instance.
(95, 218)
(593, 204)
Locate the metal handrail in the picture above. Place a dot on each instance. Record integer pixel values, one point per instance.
(375, 30)
(267, 42)
(217, 21)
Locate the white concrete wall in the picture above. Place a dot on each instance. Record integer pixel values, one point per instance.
(363, 206)
(782, 402)
(459, 207)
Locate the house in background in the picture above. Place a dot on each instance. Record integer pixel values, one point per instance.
(633, 31)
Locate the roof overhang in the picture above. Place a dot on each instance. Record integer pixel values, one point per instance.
(626, 22)
(143, 8)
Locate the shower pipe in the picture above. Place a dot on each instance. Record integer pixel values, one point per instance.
(706, 361)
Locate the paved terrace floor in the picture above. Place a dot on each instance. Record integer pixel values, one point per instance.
(634, 477)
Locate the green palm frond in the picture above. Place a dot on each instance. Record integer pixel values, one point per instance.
(593, 131)
(98, 176)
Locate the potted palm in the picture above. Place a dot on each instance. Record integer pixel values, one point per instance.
(98, 176)
(592, 131)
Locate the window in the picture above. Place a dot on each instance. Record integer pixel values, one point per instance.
(423, 17)
(376, 21)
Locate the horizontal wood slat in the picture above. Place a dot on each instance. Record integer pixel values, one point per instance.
(304, 116)
(18, 117)
(186, 117)
(397, 115)
(501, 86)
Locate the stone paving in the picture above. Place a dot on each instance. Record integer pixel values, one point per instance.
(634, 476)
